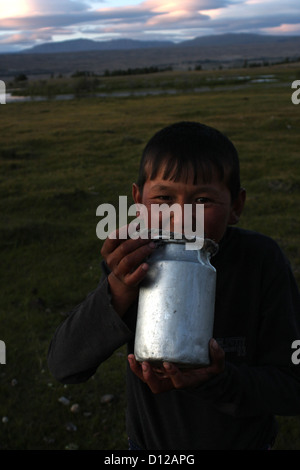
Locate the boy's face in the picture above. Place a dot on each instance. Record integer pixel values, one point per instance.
(219, 210)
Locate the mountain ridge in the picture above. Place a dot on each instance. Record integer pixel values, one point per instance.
(80, 45)
(86, 45)
(229, 50)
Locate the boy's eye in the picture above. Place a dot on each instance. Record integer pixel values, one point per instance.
(163, 197)
(202, 200)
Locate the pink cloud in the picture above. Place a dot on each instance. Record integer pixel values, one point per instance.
(167, 19)
(288, 29)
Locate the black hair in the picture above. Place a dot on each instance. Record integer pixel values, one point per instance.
(185, 145)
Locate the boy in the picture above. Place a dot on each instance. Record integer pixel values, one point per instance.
(231, 403)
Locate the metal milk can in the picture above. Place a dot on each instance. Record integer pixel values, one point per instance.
(176, 305)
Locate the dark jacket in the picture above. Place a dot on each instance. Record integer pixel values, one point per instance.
(257, 318)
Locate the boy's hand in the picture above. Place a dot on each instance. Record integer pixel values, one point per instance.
(126, 261)
(171, 377)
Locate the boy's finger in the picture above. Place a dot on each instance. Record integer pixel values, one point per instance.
(217, 355)
(150, 378)
(125, 264)
(135, 366)
(118, 248)
(114, 239)
(133, 279)
(175, 375)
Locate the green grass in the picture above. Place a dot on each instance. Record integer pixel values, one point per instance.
(61, 159)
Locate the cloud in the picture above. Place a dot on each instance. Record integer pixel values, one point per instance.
(25, 38)
(257, 16)
(68, 12)
(46, 7)
(167, 19)
(288, 29)
(68, 18)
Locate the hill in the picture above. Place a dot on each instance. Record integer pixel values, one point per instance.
(241, 39)
(77, 45)
(208, 51)
(220, 40)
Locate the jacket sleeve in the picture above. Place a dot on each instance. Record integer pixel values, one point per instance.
(87, 337)
(271, 383)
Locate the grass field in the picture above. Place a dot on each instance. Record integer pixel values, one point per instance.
(59, 161)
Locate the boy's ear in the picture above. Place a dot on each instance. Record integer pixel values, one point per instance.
(237, 207)
(136, 194)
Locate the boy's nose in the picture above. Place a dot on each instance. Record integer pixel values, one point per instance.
(182, 220)
(177, 219)
(188, 220)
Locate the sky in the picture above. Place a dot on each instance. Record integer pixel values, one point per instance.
(26, 23)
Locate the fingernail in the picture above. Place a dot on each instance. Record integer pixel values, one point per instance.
(167, 366)
(144, 366)
(214, 344)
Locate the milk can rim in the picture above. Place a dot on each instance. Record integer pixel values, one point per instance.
(161, 237)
